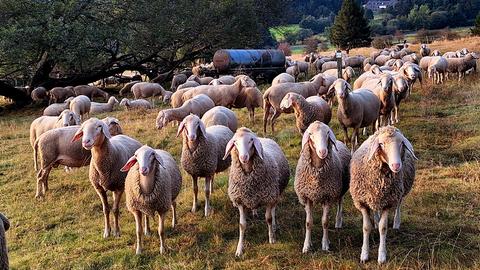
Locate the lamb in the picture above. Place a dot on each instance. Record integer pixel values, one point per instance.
(437, 69)
(436, 53)
(45, 123)
(60, 94)
(461, 65)
(382, 173)
(382, 87)
(200, 80)
(39, 94)
(307, 110)
(136, 104)
(4, 226)
(151, 186)
(222, 95)
(147, 90)
(177, 80)
(400, 91)
(55, 148)
(424, 50)
(89, 91)
(321, 177)
(347, 73)
(356, 109)
(108, 156)
(227, 79)
(81, 105)
(250, 98)
(220, 115)
(103, 107)
(127, 88)
(258, 176)
(56, 109)
(283, 78)
(274, 95)
(293, 71)
(410, 58)
(198, 105)
(202, 154)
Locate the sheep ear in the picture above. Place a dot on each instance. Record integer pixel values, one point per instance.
(77, 119)
(181, 127)
(349, 87)
(78, 135)
(160, 160)
(332, 139)
(408, 146)
(229, 148)
(106, 131)
(373, 148)
(258, 147)
(130, 162)
(201, 125)
(305, 138)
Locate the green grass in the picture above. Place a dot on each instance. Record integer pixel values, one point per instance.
(280, 31)
(440, 226)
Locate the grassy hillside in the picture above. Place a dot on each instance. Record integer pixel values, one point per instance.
(440, 226)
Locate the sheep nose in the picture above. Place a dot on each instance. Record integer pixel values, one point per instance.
(192, 137)
(243, 158)
(396, 167)
(322, 153)
(144, 170)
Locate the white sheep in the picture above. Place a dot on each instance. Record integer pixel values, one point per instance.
(283, 78)
(81, 105)
(96, 107)
(437, 68)
(220, 115)
(136, 104)
(56, 109)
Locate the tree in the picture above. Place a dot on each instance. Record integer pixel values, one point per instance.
(350, 29)
(419, 16)
(368, 14)
(311, 45)
(476, 29)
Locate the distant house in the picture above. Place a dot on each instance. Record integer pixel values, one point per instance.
(376, 6)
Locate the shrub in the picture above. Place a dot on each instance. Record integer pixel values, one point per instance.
(311, 45)
(382, 42)
(285, 48)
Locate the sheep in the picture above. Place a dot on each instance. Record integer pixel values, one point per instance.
(187, 84)
(436, 53)
(151, 186)
(307, 110)
(89, 91)
(450, 55)
(321, 177)
(382, 87)
(250, 98)
(331, 65)
(136, 104)
(400, 91)
(220, 115)
(382, 59)
(147, 90)
(177, 80)
(283, 78)
(222, 95)
(198, 105)
(127, 88)
(258, 176)
(413, 58)
(103, 107)
(60, 94)
(347, 73)
(354, 61)
(425, 62)
(56, 109)
(424, 50)
(81, 105)
(461, 65)
(55, 148)
(293, 71)
(44, 123)
(275, 93)
(176, 100)
(302, 68)
(318, 64)
(247, 80)
(437, 68)
(356, 109)
(411, 72)
(202, 154)
(398, 65)
(167, 96)
(395, 55)
(227, 79)
(197, 70)
(375, 70)
(4, 226)
(382, 173)
(200, 80)
(39, 94)
(108, 156)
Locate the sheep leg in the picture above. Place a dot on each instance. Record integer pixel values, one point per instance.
(106, 210)
(339, 217)
(274, 219)
(376, 219)
(354, 139)
(367, 228)
(174, 214)
(266, 112)
(138, 225)
(325, 241)
(308, 227)
(161, 232)
(346, 139)
(42, 179)
(268, 218)
(117, 196)
(252, 115)
(208, 181)
(382, 228)
(274, 117)
(211, 184)
(147, 226)
(242, 227)
(195, 193)
(397, 217)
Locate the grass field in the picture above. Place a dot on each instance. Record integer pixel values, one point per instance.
(440, 226)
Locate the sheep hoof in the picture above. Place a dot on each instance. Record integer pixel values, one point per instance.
(162, 250)
(208, 211)
(116, 234)
(382, 257)
(238, 253)
(106, 234)
(139, 251)
(364, 257)
(147, 233)
(326, 245)
(306, 248)
(194, 208)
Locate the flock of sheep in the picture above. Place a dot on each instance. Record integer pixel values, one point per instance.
(379, 173)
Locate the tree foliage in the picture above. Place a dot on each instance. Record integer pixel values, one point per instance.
(476, 29)
(350, 29)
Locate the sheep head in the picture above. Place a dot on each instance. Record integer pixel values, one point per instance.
(288, 100)
(69, 118)
(167, 97)
(389, 145)
(113, 125)
(146, 158)
(409, 71)
(320, 138)
(400, 85)
(341, 88)
(93, 132)
(246, 145)
(386, 82)
(112, 100)
(124, 102)
(163, 118)
(191, 127)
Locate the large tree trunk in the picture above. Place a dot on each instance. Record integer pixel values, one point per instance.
(19, 97)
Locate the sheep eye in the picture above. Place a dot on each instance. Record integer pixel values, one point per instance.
(381, 145)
